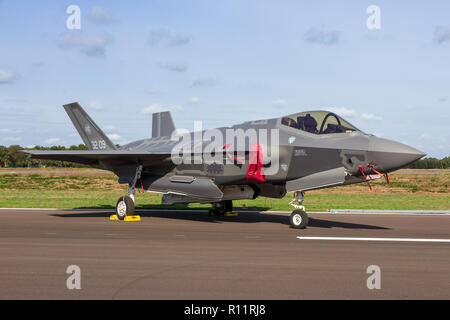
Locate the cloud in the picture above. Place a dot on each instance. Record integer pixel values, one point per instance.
(95, 105)
(156, 36)
(152, 90)
(109, 128)
(180, 39)
(370, 116)
(7, 77)
(16, 100)
(314, 35)
(442, 99)
(175, 66)
(11, 139)
(99, 15)
(425, 135)
(87, 44)
(194, 100)
(343, 112)
(52, 140)
(201, 82)
(168, 38)
(176, 108)
(157, 107)
(9, 131)
(280, 102)
(441, 34)
(40, 131)
(114, 136)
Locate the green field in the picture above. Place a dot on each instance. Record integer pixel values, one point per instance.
(409, 190)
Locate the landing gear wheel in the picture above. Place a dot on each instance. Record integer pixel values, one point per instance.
(124, 207)
(299, 219)
(221, 207)
(228, 206)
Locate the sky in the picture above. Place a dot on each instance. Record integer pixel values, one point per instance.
(224, 62)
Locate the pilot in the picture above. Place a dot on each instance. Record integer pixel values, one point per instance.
(310, 124)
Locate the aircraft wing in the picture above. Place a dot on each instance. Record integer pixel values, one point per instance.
(95, 157)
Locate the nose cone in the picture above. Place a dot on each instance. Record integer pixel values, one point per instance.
(388, 155)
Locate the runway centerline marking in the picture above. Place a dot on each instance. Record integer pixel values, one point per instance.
(373, 239)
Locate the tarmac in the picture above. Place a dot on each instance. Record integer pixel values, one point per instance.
(191, 255)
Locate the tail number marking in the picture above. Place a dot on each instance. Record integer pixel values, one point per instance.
(98, 144)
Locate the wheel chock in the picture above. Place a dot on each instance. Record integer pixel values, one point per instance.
(231, 214)
(132, 218)
(127, 218)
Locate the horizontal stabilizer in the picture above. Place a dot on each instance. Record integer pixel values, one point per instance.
(94, 157)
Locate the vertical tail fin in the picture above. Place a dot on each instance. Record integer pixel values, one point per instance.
(162, 124)
(93, 137)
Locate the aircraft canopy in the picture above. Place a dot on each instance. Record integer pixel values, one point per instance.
(318, 122)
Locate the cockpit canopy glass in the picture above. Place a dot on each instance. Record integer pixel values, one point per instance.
(318, 122)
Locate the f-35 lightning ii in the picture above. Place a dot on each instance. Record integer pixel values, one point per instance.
(295, 153)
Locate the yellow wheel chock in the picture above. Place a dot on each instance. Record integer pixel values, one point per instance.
(127, 218)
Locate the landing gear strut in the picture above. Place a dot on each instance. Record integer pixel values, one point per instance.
(299, 218)
(221, 207)
(125, 205)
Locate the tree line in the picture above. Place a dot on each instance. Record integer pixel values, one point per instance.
(431, 163)
(12, 157)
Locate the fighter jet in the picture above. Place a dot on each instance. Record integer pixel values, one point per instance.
(294, 153)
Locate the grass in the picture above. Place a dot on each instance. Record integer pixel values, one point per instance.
(313, 202)
(408, 190)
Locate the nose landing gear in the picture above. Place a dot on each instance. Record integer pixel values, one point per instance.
(299, 217)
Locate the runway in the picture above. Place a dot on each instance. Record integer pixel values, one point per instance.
(190, 255)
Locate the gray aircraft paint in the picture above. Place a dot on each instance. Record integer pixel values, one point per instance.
(307, 161)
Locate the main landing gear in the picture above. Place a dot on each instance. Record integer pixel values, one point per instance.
(299, 218)
(220, 208)
(125, 205)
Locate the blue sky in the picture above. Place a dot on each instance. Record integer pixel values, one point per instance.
(224, 62)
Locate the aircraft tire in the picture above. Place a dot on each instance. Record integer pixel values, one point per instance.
(299, 219)
(219, 208)
(228, 205)
(124, 207)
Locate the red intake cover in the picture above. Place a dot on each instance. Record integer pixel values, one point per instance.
(255, 171)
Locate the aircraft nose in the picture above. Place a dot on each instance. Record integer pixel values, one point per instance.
(388, 155)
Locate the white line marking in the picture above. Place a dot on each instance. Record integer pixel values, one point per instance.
(374, 239)
(359, 211)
